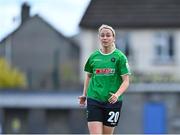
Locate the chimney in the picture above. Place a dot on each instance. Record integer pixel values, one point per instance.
(25, 12)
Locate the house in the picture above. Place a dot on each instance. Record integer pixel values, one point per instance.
(148, 32)
(51, 63)
(49, 59)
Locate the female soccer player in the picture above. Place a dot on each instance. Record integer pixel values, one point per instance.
(106, 80)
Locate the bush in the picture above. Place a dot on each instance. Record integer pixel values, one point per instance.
(11, 77)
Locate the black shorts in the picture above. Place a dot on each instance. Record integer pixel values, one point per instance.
(104, 112)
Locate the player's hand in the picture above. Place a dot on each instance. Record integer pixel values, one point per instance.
(82, 100)
(113, 99)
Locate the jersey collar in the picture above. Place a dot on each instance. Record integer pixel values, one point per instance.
(107, 53)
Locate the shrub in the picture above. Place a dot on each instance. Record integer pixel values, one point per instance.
(11, 77)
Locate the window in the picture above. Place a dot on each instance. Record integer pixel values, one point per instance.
(164, 47)
(123, 43)
(15, 121)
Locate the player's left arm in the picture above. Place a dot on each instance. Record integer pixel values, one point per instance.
(123, 86)
(121, 90)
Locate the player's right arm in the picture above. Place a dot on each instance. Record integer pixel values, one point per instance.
(82, 98)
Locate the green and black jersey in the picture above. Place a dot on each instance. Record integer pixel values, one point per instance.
(106, 70)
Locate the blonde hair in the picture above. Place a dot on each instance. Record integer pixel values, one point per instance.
(107, 27)
(110, 28)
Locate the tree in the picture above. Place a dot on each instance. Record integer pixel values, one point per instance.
(11, 77)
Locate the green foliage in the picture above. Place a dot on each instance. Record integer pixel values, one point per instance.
(11, 77)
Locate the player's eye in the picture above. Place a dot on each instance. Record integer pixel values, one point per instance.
(108, 35)
(102, 35)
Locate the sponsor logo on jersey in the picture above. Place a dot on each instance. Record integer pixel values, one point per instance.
(105, 71)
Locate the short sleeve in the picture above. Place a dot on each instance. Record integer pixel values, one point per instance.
(124, 66)
(88, 67)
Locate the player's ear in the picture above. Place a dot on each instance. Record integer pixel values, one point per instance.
(114, 39)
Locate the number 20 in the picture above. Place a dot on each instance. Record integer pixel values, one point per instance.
(113, 116)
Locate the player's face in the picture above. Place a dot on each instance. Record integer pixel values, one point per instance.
(106, 37)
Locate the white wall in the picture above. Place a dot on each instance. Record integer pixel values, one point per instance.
(88, 42)
(144, 50)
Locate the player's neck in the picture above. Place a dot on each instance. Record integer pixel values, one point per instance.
(107, 50)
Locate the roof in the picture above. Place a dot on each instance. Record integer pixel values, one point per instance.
(132, 14)
(46, 23)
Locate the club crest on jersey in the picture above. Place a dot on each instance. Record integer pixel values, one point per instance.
(105, 71)
(113, 59)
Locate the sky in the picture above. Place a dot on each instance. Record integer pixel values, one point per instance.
(63, 15)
